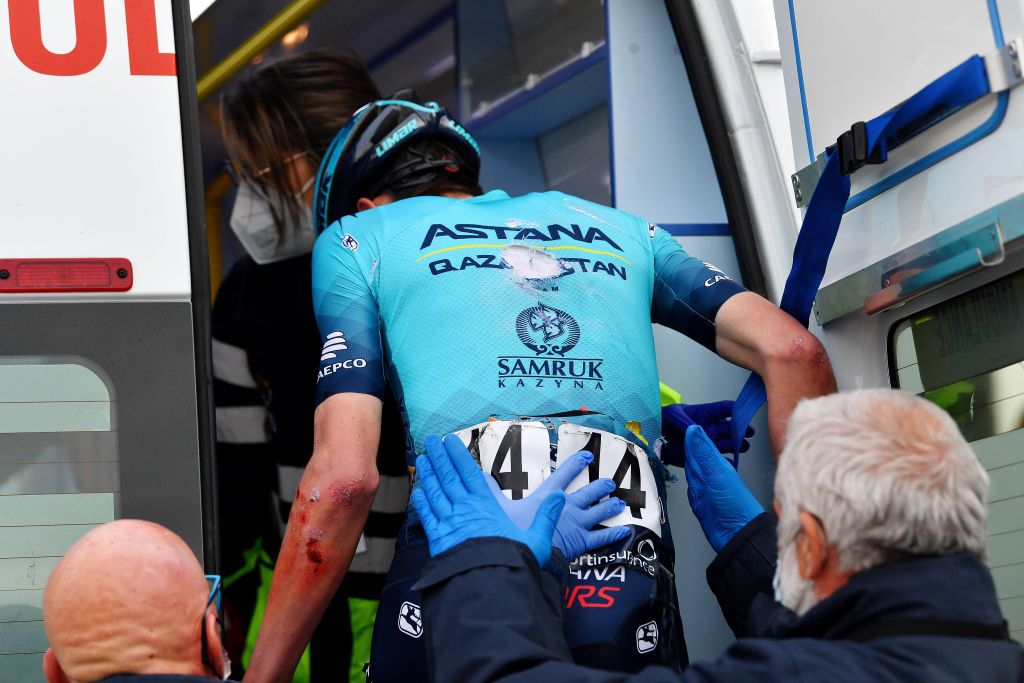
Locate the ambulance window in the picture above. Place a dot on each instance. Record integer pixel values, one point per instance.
(575, 157)
(537, 37)
(59, 478)
(966, 355)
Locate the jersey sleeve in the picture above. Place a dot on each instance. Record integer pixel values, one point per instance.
(687, 291)
(352, 357)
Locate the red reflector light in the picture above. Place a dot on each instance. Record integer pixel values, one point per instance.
(19, 276)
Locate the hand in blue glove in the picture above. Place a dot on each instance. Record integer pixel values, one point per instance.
(715, 418)
(454, 503)
(718, 497)
(573, 535)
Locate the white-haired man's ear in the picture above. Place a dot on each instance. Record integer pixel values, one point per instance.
(817, 561)
(811, 548)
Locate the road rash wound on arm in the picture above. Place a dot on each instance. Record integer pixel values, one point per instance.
(314, 552)
(754, 333)
(799, 350)
(343, 495)
(322, 534)
(348, 492)
(821, 359)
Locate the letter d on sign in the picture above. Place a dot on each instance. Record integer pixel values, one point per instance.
(27, 38)
(144, 56)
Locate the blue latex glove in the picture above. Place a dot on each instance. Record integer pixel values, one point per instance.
(573, 535)
(455, 505)
(715, 418)
(718, 497)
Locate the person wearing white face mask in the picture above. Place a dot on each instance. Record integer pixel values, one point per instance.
(278, 121)
(266, 223)
(881, 576)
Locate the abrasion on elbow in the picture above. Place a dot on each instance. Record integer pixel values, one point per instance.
(353, 490)
(801, 349)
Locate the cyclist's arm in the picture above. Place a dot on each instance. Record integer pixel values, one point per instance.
(327, 517)
(334, 497)
(702, 302)
(758, 335)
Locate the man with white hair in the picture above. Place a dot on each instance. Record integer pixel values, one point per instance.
(886, 473)
(890, 484)
(881, 539)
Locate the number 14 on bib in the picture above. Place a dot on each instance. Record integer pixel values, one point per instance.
(623, 462)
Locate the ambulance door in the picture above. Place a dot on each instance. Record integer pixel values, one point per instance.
(923, 289)
(104, 367)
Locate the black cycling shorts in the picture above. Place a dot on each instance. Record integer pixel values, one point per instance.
(621, 611)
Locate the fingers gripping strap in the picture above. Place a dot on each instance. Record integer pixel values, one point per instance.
(946, 95)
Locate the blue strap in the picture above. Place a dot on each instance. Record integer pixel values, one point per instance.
(944, 96)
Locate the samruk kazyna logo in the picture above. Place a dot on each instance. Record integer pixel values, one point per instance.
(547, 331)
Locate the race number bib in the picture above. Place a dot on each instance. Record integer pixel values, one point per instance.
(623, 462)
(516, 453)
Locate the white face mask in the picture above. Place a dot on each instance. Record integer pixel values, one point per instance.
(792, 590)
(253, 224)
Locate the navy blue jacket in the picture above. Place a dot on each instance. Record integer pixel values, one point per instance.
(492, 614)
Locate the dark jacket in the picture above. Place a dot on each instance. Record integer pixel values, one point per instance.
(492, 614)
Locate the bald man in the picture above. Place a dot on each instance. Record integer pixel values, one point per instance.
(129, 601)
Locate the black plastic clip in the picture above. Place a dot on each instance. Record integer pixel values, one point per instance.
(852, 147)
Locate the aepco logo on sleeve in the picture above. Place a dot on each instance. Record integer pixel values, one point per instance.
(344, 365)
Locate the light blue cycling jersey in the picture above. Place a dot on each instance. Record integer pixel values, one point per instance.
(503, 306)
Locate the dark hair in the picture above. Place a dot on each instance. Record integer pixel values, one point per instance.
(432, 182)
(293, 105)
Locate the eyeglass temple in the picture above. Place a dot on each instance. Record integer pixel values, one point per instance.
(215, 588)
(259, 173)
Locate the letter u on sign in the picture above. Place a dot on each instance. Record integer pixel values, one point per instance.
(144, 56)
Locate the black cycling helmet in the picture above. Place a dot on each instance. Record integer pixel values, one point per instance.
(358, 162)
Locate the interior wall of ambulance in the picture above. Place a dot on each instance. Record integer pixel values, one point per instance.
(644, 151)
(663, 171)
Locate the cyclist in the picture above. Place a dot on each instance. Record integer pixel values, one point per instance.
(523, 325)
(278, 121)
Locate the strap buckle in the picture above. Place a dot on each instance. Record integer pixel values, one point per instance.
(852, 147)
